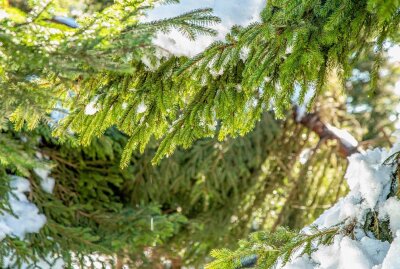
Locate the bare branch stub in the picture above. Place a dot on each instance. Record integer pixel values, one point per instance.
(313, 122)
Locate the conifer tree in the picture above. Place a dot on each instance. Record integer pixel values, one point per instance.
(117, 92)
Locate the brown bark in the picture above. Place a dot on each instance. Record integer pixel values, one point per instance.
(313, 122)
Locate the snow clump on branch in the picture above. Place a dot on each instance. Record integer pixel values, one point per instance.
(371, 179)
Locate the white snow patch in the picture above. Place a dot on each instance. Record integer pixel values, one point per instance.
(394, 54)
(369, 179)
(300, 263)
(353, 256)
(305, 155)
(92, 108)
(327, 256)
(343, 135)
(244, 53)
(346, 253)
(375, 249)
(301, 108)
(47, 183)
(3, 15)
(392, 259)
(391, 210)
(57, 114)
(367, 175)
(142, 107)
(27, 218)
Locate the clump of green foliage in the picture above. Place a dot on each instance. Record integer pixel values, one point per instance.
(191, 201)
(264, 249)
(297, 44)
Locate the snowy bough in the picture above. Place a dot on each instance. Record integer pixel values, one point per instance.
(361, 231)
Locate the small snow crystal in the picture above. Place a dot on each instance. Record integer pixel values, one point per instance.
(141, 108)
(91, 108)
(47, 183)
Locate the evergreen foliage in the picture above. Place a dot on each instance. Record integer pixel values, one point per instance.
(275, 250)
(84, 214)
(118, 92)
(262, 249)
(296, 45)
